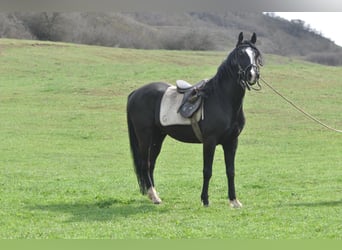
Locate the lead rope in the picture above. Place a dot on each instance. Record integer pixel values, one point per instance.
(299, 109)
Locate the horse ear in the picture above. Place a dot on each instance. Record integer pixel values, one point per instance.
(240, 38)
(254, 38)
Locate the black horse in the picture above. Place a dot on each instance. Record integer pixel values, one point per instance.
(223, 120)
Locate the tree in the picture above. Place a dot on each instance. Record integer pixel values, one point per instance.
(44, 26)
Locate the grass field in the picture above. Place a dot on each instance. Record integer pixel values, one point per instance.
(66, 170)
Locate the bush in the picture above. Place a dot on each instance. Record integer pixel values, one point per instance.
(332, 59)
(45, 26)
(192, 40)
(12, 27)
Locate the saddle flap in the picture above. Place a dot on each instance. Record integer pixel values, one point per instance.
(188, 108)
(170, 109)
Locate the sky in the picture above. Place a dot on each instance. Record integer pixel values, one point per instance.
(328, 23)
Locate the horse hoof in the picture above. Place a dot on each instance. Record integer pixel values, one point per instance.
(157, 202)
(205, 203)
(153, 196)
(235, 203)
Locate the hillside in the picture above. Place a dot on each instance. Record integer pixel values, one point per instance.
(174, 31)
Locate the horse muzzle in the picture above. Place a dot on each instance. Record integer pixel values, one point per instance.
(252, 75)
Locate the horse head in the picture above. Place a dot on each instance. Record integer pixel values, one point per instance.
(248, 60)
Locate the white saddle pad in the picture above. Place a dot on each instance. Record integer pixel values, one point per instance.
(169, 106)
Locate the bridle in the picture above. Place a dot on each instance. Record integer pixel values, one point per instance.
(243, 72)
(243, 75)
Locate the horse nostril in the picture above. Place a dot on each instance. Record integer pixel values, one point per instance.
(251, 76)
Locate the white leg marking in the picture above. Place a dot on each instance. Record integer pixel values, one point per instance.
(235, 203)
(153, 196)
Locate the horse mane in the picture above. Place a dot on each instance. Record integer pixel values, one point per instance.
(224, 71)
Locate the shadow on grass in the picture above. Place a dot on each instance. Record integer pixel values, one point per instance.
(318, 204)
(102, 210)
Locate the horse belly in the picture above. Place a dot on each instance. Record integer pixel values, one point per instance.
(181, 133)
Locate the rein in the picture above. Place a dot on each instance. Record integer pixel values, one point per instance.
(244, 83)
(299, 109)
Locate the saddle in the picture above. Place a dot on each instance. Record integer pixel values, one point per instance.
(193, 97)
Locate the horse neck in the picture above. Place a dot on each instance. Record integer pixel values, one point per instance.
(228, 89)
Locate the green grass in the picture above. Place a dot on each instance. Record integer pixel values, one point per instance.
(66, 170)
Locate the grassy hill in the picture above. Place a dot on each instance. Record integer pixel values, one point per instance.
(176, 31)
(66, 169)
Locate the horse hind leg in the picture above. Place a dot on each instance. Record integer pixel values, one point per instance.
(153, 195)
(151, 191)
(154, 151)
(150, 146)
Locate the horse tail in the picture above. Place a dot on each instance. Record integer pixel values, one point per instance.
(137, 161)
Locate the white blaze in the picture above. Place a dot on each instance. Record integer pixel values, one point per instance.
(251, 56)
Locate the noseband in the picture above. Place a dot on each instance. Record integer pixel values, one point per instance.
(243, 77)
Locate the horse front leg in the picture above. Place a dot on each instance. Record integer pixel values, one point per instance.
(208, 157)
(229, 156)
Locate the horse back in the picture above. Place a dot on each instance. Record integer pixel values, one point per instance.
(144, 102)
